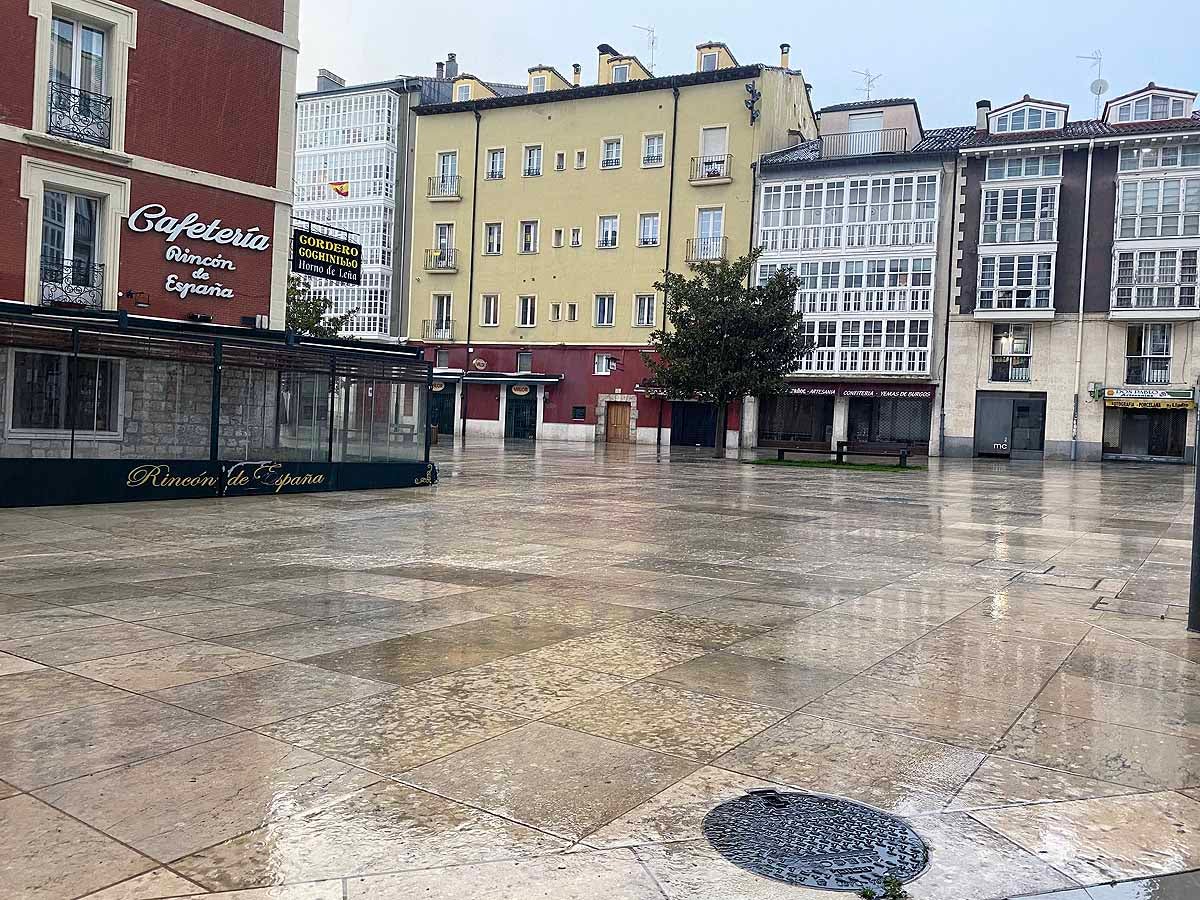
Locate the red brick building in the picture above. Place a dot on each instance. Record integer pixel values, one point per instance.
(182, 111)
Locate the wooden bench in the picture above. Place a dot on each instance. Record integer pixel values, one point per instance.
(849, 448)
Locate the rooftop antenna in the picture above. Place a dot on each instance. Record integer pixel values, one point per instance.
(651, 43)
(1099, 87)
(869, 78)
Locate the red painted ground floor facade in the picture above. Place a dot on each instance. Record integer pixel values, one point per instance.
(577, 393)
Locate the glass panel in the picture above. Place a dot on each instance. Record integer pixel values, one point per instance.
(54, 226)
(302, 430)
(91, 60)
(83, 243)
(62, 51)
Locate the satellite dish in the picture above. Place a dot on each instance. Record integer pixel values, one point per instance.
(1099, 86)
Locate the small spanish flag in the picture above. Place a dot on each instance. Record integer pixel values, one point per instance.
(341, 188)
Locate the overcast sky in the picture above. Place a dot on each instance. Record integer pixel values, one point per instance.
(946, 54)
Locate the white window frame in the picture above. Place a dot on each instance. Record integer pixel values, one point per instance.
(560, 160)
(40, 175)
(602, 364)
(60, 434)
(998, 253)
(1024, 163)
(487, 233)
(1187, 220)
(611, 309)
(489, 303)
(527, 303)
(600, 220)
(608, 161)
(537, 84)
(640, 303)
(1002, 122)
(556, 311)
(709, 55)
(642, 218)
(1037, 222)
(1146, 356)
(1027, 355)
(662, 154)
(491, 173)
(621, 67)
(120, 25)
(525, 167)
(556, 237)
(537, 236)
(572, 311)
(576, 236)
(528, 354)
(459, 92)
(581, 159)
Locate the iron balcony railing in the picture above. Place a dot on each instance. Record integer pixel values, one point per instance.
(438, 330)
(1148, 370)
(864, 143)
(80, 115)
(494, 174)
(68, 282)
(652, 159)
(706, 168)
(443, 260)
(610, 162)
(443, 187)
(532, 171)
(700, 249)
(607, 240)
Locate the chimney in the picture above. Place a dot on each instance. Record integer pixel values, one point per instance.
(327, 81)
(451, 66)
(441, 70)
(576, 68)
(982, 110)
(606, 51)
(785, 51)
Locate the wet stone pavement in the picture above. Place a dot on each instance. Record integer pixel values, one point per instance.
(535, 679)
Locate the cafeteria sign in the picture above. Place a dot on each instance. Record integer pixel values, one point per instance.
(320, 256)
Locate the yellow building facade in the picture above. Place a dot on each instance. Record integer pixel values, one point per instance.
(542, 221)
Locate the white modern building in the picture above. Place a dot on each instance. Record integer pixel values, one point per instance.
(860, 214)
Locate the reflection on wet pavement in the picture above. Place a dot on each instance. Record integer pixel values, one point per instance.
(534, 680)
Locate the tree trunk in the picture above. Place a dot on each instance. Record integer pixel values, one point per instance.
(719, 437)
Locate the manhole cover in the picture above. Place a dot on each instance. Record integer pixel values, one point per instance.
(815, 841)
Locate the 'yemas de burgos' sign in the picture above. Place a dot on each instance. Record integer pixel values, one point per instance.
(199, 282)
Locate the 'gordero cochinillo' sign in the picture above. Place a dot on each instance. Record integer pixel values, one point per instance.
(325, 257)
(203, 264)
(245, 477)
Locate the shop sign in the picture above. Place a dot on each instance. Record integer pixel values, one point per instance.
(264, 476)
(479, 364)
(437, 387)
(829, 390)
(152, 217)
(1150, 398)
(804, 390)
(520, 390)
(320, 256)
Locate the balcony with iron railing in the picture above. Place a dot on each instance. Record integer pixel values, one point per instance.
(444, 187)
(79, 115)
(441, 260)
(864, 143)
(68, 282)
(705, 249)
(1150, 297)
(716, 169)
(437, 329)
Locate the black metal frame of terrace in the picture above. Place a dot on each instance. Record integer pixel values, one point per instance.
(106, 406)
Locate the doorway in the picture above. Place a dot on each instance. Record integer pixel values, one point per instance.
(520, 413)
(1010, 425)
(441, 408)
(1145, 433)
(693, 424)
(616, 418)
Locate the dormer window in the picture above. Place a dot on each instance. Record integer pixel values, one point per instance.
(708, 62)
(1028, 118)
(537, 84)
(1153, 107)
(464, 93)
(620, 73)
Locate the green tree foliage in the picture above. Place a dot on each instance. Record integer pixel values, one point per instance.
(308, 315)
(722, 340)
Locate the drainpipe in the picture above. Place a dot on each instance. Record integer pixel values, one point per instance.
(1087, 209)
(670, 219)
(949, 285)
(470, 280)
